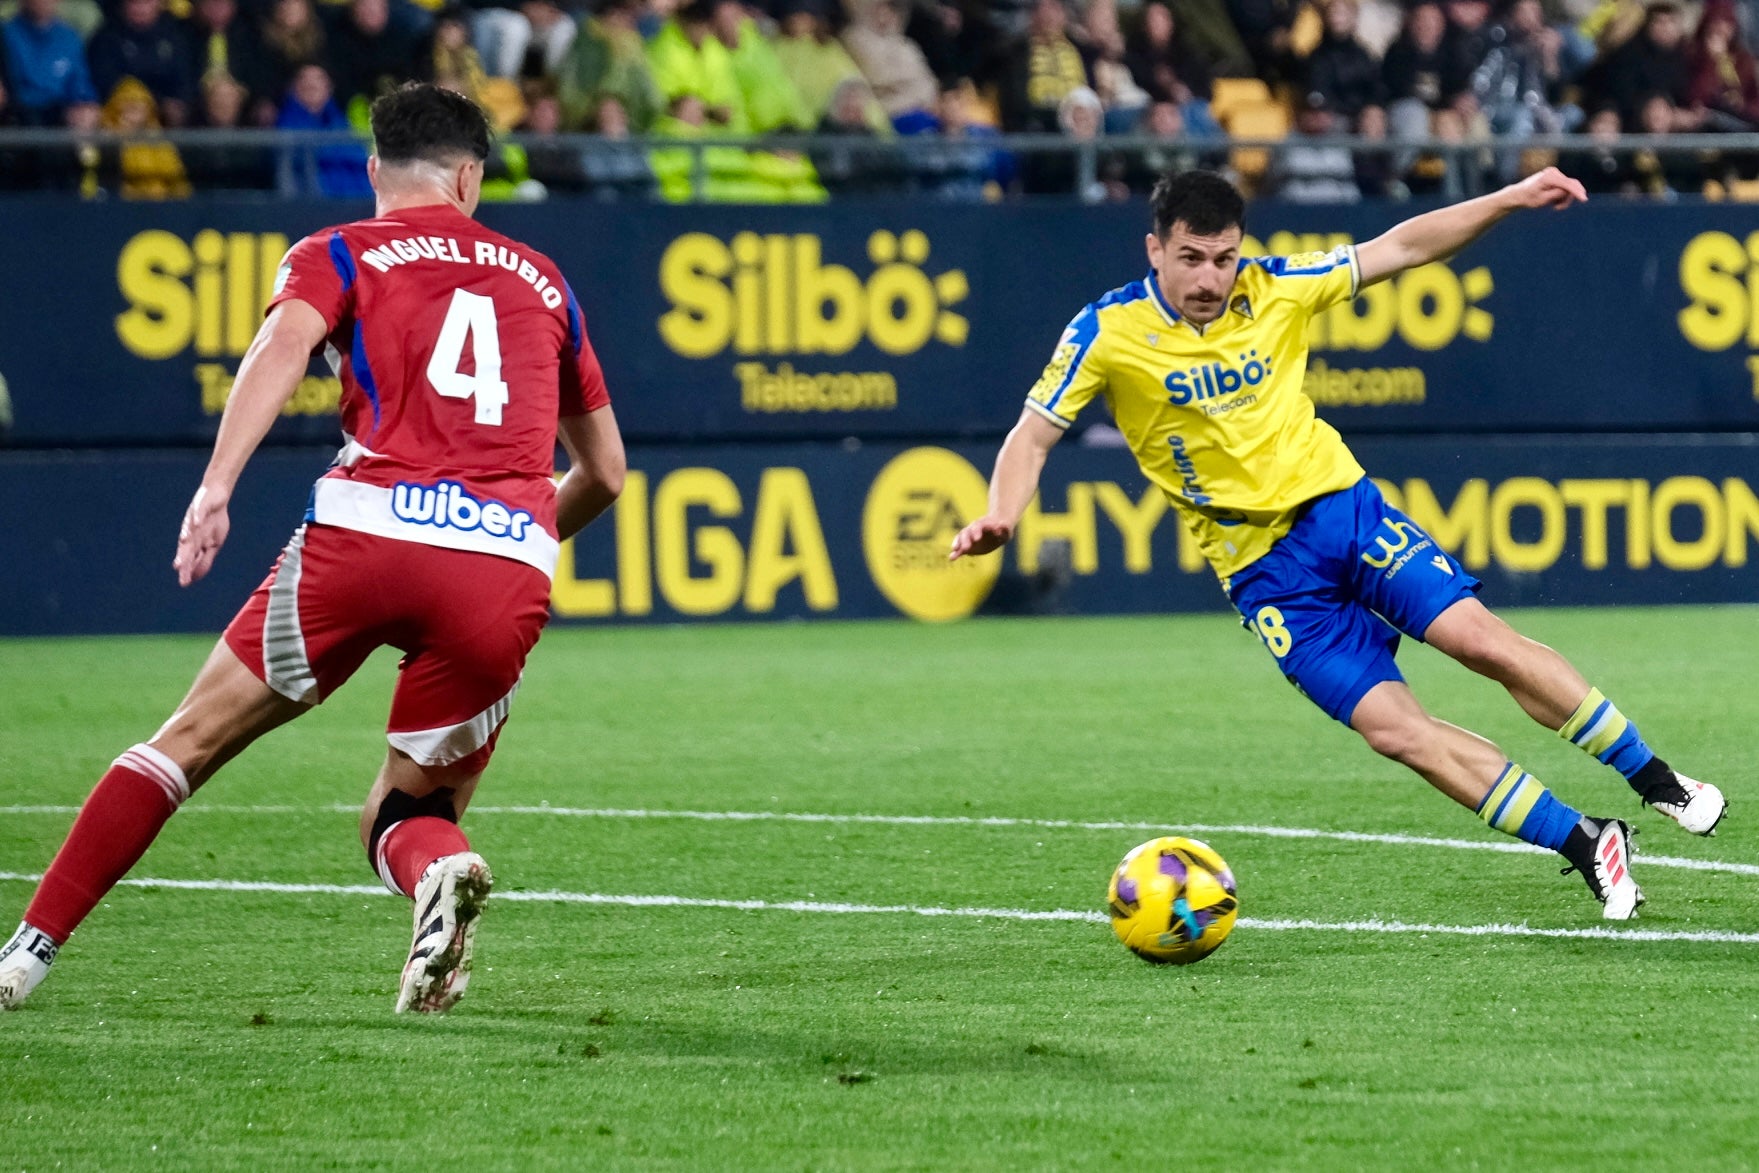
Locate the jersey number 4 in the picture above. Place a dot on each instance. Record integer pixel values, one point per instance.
(472, 315)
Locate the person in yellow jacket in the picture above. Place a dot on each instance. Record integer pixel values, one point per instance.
(151, 168)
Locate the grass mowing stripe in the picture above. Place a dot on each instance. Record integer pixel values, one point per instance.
(1510, 847)
(1712, 936)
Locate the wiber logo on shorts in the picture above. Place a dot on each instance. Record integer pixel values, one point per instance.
(449, 505)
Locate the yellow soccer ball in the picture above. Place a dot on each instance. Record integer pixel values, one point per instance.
(1173, 901)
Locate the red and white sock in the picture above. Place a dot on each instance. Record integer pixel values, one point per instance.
(130, 805)
(408, 847)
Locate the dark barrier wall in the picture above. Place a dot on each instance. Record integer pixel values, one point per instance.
(124, 323)
(808, 530)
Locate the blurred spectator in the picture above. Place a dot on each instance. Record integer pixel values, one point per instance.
(1123, 99)
(45, 67)
(615, 168)
(1080, 117)
(1378, 24)
(715, 174)
(292, 36)
(956, 36)
(772, 103)
(963, 165)
(225, 166)
(817, 61)
(1206, 29)
(337, 171)
(1376, 175)
(1513, 83)
(1436, 172)
(1163, 63)
(688, 60)
(449, 59)
(1042, 69)
(1723, 74)
(1602, 170)
(608, 60)
(1670, 174)
(147, 45)
(1313, 174)
(222, 43)
(859, 162)
(892, 63)
(551, 162)
(1423, 86)
(508, 31)
(1141, 169)
(367, 54)
(1342, 79)
(1652, 62)
(1467, 41)
(149, 167)
(1265, 28)
(1418, 76)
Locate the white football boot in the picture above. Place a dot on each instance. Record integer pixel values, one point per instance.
(24, 961)
(1607, 868)
(1697, 806)
(449, 900)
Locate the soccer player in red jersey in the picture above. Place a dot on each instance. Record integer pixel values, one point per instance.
(462, 357)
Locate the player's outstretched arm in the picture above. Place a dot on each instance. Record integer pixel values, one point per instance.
(1011, 486)
(596, 467)
(267, 378)
(1436, 235)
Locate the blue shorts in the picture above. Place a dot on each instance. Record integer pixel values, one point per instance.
(1331, 597)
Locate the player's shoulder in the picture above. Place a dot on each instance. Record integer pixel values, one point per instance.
(1271, 272)
(1107, 310)
(321, 240)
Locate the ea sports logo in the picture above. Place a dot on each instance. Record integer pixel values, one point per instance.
(919, 501)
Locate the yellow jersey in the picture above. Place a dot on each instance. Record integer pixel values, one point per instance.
(1215, 414)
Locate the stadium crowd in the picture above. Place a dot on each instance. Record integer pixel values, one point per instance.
(1184, 76)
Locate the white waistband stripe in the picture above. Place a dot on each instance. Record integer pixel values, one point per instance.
(468, 525)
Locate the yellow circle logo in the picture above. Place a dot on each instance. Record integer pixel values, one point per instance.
(919, 501)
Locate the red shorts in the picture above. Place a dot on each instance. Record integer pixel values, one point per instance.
(464, 622)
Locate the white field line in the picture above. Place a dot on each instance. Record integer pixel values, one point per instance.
(1508, 846)
(1710, 936)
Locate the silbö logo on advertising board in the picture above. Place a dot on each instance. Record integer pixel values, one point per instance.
(775, 303)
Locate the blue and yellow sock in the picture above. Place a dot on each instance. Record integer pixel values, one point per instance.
(1519, 805)
(1599, 728)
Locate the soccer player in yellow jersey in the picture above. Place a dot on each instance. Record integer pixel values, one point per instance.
(1201, 363)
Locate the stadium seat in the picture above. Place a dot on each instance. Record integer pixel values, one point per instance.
(1267, 121)
(1233, 93)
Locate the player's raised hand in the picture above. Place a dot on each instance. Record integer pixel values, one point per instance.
(983, 536)
(1549, 188)
(205, 526)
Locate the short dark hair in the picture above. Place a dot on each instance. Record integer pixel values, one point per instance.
(424, 123)
(1205, 202)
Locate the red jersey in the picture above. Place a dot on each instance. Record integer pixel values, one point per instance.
(458, 349)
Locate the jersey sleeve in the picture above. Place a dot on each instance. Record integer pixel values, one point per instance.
(583, 380)
(319, 271)
(1074, 375)
(1316, 281)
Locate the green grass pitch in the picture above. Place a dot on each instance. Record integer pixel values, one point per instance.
(200, 1028)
